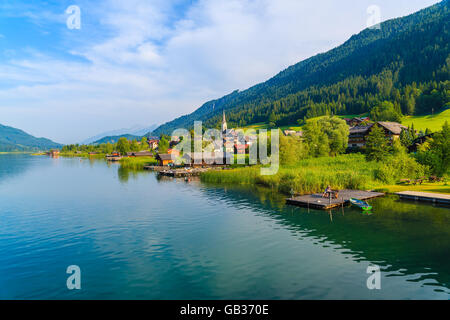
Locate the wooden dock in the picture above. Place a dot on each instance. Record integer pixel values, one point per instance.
(425, 196)
(316, 201)
(156, 168)
(182, 173)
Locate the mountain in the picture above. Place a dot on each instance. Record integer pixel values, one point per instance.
(114, 139)
(12, 139)
(135, 131)
(405, 62)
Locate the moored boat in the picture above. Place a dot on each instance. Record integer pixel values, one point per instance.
(360, 203)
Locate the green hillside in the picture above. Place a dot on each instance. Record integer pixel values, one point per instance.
(12, 139)
(432, 122)
(406, 62)
(114, 139)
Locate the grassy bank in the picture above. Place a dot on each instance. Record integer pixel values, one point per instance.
(137, 163)
(349, 171)
(310, 175)
(82, 155)
(16, 152)
(432, 122)
(441, 187)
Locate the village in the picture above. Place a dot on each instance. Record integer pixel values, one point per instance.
(235, 142)
(212, 159)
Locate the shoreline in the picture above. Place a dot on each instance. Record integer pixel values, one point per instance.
(282, 182)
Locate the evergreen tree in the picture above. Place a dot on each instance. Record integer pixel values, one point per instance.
(377, 147)
(405, 138)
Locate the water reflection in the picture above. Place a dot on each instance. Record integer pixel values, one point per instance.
(404, 238)
(12, 165)
(136, 236)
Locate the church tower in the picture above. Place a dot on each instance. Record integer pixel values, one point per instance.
(224, 123)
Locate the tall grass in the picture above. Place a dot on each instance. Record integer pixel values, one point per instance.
(70, 154)
(137, 163)
(350, 171)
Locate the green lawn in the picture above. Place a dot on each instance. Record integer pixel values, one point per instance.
(438, 187)
(432, 122)
(295, 126)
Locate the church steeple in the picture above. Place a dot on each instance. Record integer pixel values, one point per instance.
(224, 123)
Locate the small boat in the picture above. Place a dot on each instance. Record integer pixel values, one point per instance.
(362, 204)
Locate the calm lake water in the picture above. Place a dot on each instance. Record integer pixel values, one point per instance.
(137, 237)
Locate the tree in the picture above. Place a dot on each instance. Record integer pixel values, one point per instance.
(438, 155)
(412, 132)
(386, 111)
(134, 146)
(405, 138)
(272, 120)
(163, 145)
(109, 148)
(377, 147)
(292, 150)
(123, 145)
(144, 144)
(326, 136)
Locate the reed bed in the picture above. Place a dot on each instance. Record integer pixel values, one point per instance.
(136, 163)
(308, 176)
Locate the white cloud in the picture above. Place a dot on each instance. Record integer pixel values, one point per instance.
(154, 63)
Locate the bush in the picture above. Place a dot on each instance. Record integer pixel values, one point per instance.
(399, 167)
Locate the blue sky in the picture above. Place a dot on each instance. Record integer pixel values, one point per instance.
(140, 62)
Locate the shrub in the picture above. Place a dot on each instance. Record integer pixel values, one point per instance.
(398, 167)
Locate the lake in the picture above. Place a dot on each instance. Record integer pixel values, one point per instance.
(135, 236)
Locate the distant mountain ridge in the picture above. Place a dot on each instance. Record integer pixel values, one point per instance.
(114, 139)
(352, 78)
(12, 139)
(134, 131)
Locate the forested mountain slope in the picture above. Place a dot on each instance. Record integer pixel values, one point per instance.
(12, 139)
(402, 68)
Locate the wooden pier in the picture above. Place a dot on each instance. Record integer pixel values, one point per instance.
(156, 168)
(182, 173)
(425, 196)
(316, 201)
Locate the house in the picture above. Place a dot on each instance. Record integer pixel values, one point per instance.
(356, 121)
(153, 143)
(358, 134)
(241, 148)
(54, 153)
(228, 144)
(419, 141)
(114, 156)
(202, 159)
(164, 159)
(174, 152)
(293, 133)
(251, 139)
(392, 130)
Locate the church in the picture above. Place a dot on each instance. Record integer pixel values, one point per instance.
(224, 124)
